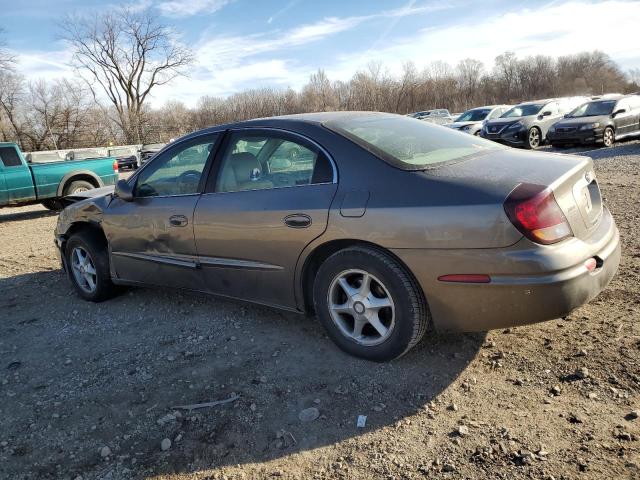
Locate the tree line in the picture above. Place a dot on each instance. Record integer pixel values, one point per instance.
(122, 56)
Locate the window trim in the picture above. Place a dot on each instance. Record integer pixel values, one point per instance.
(20, 160)
(220, 135)
(210, 186)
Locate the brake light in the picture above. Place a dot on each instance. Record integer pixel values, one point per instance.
(115, 166)
(534, 211)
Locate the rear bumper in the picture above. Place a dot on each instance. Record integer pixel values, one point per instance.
(529, 283)
(576, 137)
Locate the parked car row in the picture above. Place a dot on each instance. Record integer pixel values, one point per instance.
(558, 121)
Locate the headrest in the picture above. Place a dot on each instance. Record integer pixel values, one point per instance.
(244, 165)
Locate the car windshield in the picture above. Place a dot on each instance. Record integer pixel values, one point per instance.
(523, 110)
(604, 107)
(408, 143)
(474, 115)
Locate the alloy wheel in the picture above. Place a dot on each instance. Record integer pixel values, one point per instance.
(607, 137)
(84, 270)
(361, 307)
(534, 138)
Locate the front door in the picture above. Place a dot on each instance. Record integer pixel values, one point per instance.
(269, 199)
(17, 181)
(151, 238)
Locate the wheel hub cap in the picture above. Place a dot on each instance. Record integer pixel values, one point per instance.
(83, 269)
(361, 307)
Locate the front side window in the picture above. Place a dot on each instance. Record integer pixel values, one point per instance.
(255, 161)
(9, 157)
(407, 143)
(176, 171)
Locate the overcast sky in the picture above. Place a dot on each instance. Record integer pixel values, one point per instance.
(242, 44)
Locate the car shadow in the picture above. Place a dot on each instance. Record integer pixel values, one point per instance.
(112, 373)
(25, 215)
(626, 148)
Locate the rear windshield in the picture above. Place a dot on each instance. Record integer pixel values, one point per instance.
(408, 143)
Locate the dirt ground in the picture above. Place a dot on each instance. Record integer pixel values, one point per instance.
(88, 391)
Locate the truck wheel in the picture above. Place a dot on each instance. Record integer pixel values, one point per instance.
(78, 186)
(88, 266)
(369, 304)
(52, 204)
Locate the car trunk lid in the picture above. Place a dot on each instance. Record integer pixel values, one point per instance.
(570, 177)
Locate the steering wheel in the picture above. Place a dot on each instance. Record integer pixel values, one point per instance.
(187, 179)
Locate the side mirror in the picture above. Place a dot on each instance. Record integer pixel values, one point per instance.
(618, 112)
(566, 115)
(124, 191)
(546, 113)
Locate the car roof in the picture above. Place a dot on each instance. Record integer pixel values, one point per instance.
(534, 102)
(317, 118)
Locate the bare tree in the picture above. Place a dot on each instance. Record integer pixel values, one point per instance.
(126, 53)
(7, 60)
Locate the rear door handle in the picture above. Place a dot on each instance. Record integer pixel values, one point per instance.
(297, 220)
(178, 221)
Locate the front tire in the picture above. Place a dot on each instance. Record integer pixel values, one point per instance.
(87, 264)
(534, 138)
(369, 304)
(608, 137)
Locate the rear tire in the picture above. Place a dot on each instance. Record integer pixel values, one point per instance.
(390, 298)
(78, 186)
(87, 264)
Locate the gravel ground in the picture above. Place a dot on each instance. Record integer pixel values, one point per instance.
(90, 391)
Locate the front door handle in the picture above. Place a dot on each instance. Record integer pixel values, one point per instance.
(178, 221)
(297, 220)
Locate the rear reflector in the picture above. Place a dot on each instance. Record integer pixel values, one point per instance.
(534, 211)
(465, 278)
(115, 166)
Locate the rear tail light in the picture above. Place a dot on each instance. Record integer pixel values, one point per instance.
(534, 211)
(115, 166)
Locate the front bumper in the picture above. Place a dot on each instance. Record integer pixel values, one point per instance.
(529, 283)
(515, 137)
(575, 137)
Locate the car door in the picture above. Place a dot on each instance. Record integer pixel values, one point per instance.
(267, 200)
(549, 119)
(634, 105)
(151, 237)
(17, 182)
(624, 120)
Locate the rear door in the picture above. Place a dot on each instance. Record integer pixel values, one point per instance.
(17, 180)
(151, 237)
(267, 200)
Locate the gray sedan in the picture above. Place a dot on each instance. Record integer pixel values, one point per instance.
(382, 225)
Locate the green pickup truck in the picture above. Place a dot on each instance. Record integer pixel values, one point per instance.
(23, 183)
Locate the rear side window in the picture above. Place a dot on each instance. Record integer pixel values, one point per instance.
(9, 157)
(269, 160)
(408, 143)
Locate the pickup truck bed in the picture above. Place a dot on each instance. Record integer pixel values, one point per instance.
(23, 183)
